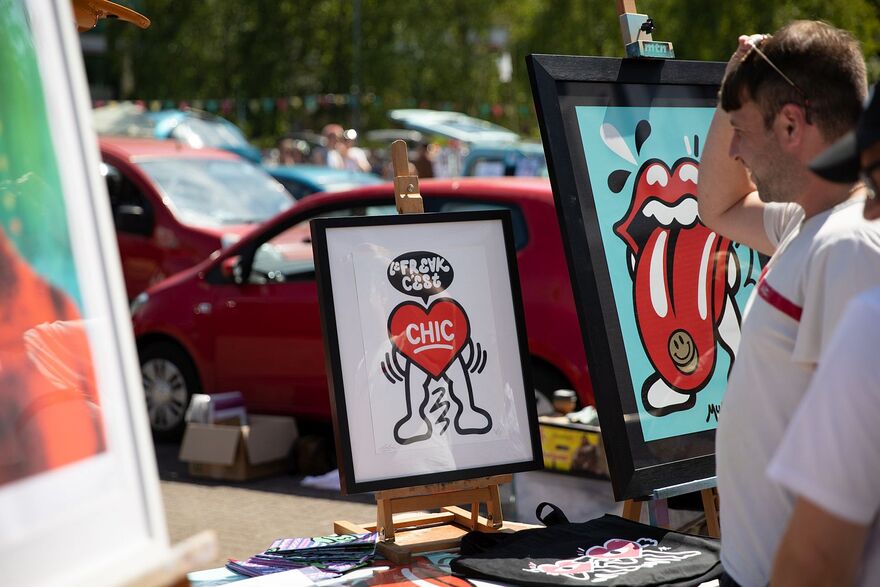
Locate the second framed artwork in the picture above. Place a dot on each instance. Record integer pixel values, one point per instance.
(426, 348)
(659, 294)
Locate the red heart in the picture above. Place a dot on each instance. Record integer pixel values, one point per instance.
(616, 548)
(431, 339)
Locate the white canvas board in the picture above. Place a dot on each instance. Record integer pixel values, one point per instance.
(97, 512)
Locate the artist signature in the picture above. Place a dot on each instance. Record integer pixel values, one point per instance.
(713, 411)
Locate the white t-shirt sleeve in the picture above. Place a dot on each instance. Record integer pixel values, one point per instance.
(829, 453)
(780, 218)
(838, 271)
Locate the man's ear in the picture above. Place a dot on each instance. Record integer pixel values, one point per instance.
(792, 123)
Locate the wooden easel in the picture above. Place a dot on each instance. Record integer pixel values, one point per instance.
(401, 536)
(658, 513)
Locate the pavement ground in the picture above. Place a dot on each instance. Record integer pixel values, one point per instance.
(248, 516)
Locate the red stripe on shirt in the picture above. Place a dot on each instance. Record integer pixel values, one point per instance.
(778, 301)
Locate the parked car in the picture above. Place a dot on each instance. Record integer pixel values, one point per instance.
(520, 159)
(201, 129)
(303, 180)
(193, 128)
(453, 125)
(248, 318)
(174, 205)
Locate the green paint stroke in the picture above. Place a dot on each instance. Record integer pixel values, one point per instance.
(32, 207)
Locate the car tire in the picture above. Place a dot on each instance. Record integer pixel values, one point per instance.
(170, 380)
(546, 380)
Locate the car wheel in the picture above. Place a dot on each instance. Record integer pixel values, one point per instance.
(546, 380)
(169, 381)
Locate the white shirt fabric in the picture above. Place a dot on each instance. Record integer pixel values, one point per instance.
(819, 265)
(830, 453)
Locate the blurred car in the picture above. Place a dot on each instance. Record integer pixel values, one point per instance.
(452, 125)
(174, 205)
(193, 128)
(519, 159)
(248, 318)
(303, 180)
(200, 129)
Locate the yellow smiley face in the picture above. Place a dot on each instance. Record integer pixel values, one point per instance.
(683, 352)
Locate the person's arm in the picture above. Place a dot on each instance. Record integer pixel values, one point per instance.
(727, 198)
(818, 548)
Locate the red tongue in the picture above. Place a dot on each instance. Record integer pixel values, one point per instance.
(674, 305)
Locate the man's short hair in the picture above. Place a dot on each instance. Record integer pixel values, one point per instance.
(825, 62)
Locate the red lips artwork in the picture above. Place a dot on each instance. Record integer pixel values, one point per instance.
(680, 282)
(431, 338)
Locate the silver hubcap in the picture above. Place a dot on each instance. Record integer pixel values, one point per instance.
(166, 393)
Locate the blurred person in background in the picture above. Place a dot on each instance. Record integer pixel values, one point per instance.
(422, 161)
(331, 154)
(355, 157)
(291, 151)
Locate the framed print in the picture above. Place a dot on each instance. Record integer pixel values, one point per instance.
(78, 480)
(659, 295)
(426, 348)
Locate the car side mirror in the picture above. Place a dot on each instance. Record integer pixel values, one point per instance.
(134, 220)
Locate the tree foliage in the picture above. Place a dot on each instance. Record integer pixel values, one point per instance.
(435, 54)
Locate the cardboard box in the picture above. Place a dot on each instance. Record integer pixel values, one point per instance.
(572, 448)
(239, 453)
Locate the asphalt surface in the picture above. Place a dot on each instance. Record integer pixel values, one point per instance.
(249, 515)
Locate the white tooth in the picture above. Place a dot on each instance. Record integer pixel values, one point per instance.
(658, 284)
(702, 282)
(657, 174)
(688, 172)
(685, 212)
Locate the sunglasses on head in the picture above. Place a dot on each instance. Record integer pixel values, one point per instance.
(806, 100)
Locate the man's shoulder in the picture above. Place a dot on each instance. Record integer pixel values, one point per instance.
(845, 227)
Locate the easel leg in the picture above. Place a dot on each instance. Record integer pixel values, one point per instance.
(658, 513)
(632, 510)
(710, 506)
(385, 519)
(493, 507)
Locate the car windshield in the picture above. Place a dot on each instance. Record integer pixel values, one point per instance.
(217, 192)
(207, 133)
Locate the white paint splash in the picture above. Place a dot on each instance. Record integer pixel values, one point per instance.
(612, 139)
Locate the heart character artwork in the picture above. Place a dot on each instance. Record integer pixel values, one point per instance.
(685, 283)
(432, 353)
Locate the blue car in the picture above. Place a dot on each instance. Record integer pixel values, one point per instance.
(200, 129)
(302, 180)
(517, 158)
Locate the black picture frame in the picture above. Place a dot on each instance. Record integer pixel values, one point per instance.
(564, 88)
(350, 483)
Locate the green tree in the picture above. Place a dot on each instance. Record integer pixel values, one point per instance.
(436, 54)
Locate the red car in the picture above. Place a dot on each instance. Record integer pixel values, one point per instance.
(248, 320)
(174, 205)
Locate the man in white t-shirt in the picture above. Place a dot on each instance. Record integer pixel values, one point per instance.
(783, 101)
(829, 457)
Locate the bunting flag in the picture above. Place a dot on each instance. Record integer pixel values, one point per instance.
(311, 103)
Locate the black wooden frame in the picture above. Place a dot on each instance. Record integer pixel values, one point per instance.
(349, 483)
(559, 84)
